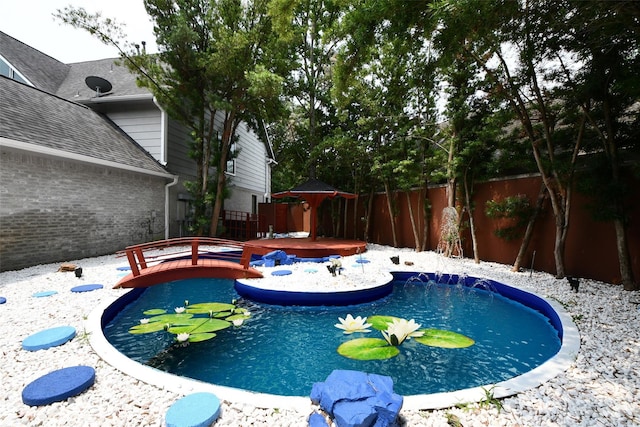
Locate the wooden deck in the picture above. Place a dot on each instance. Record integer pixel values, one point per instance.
(304, 247)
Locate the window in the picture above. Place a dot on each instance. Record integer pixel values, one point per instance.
(8, 71)
(231, 162)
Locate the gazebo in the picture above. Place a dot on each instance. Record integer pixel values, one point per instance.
(314, 192)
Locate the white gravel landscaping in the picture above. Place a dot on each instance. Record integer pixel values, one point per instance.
(601, 386)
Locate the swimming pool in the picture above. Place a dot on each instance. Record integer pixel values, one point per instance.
(437, 371)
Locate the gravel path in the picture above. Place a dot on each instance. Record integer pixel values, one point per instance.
(601, 388)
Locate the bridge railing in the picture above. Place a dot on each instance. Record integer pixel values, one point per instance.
(188, 246)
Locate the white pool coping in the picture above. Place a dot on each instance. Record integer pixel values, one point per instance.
(559, 363)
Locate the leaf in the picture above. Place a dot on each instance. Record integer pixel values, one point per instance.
(206, 307)
(175, 318)
(367, 349)
(199, 325)
(155, 311)
(444, 339)
(147, 328)
(222, 314)
(380, 323)
(201, 337)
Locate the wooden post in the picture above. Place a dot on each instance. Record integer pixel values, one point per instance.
(194, 251)
(140, 256)
(132, 263)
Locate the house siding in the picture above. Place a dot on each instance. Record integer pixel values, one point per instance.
(55, 210)
(143, 125)
(178, 160)
(252, 177)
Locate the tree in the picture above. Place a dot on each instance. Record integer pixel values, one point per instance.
(605, 41)
(388, 71)
(217, 67)
(513, 48)
(308, 26)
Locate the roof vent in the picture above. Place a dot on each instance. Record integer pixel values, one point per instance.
(99, 85)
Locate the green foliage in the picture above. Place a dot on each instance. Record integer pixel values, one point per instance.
(368, 349)
(490, 400)
(188, 324)
(379, 349)
(517, 208)
(444, 339)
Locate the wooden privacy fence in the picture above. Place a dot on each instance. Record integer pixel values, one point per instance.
(590, 249)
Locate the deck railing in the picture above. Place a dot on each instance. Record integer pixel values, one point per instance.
(243, 225)
(194, 247)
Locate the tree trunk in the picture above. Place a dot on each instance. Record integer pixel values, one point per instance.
(624, 259)
(426, 211)
(414, 228)
(336, 216)
(345, 220)
(367, 223)
(392, 217)
(227, 135)
(542, 196)
(474, 240)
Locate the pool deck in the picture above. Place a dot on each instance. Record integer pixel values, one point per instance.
(305, 247)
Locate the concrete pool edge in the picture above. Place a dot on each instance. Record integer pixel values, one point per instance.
(174, 383)
(557, 364)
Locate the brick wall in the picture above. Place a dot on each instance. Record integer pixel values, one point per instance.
(55, 210)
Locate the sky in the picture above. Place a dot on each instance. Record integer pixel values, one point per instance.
(32, 22)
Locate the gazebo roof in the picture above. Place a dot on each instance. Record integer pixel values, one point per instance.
(314, 187)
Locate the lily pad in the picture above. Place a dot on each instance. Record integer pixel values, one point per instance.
(206, 307)
(154, 312)
(147, 328)
(222, 314)
(196, 326)
(367, 349)
(381, 323)
(201, 337)
(173, 318)
(444, 339)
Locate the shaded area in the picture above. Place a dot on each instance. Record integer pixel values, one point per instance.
(314, 192)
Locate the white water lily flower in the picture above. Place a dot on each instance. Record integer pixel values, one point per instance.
(182, 337)
(351, 325)
(179, 310)
(238, 322)
(144, 321)
(400, 330)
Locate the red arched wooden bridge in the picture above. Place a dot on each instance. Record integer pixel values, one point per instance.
(185, 258)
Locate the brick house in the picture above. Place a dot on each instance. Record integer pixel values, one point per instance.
(85, 172)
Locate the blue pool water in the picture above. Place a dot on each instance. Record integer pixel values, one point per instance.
(284, 350)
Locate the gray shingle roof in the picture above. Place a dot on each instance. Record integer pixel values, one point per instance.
(41, 70)
(122, 81)
(34, 116)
